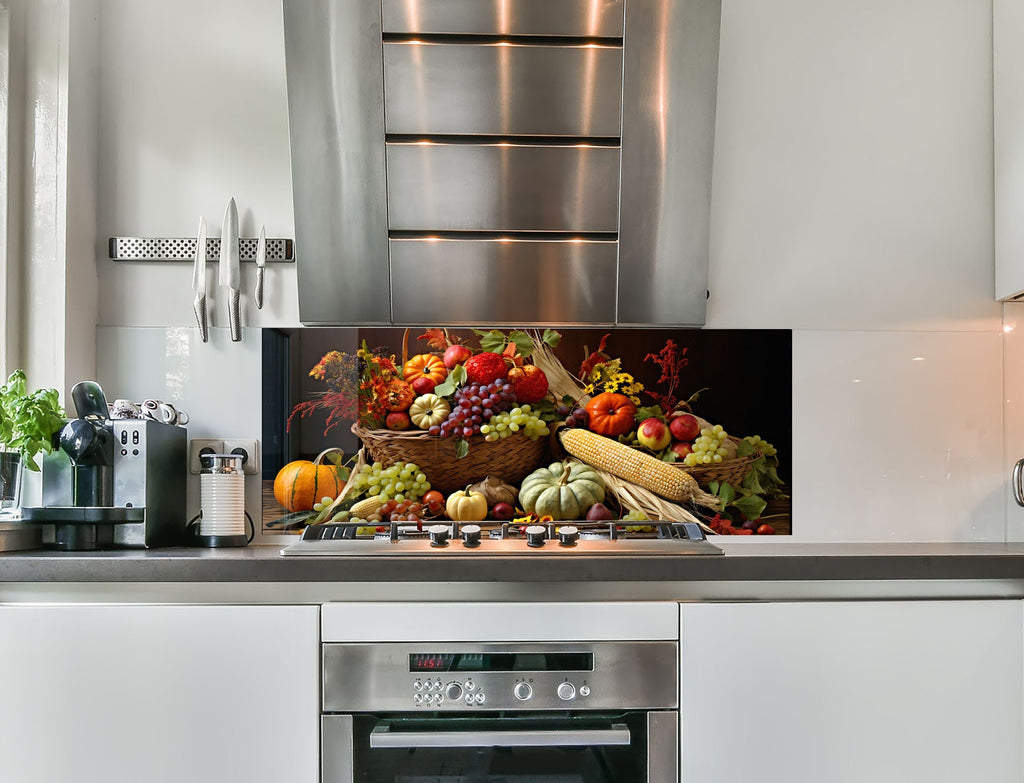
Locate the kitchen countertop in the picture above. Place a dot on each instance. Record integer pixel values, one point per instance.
(749, 570)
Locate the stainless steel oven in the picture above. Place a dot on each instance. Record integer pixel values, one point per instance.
(518, 712)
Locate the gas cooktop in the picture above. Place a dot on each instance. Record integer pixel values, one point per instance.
(550, 539)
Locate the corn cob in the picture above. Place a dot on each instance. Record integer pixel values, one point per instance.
(630, 465)
(364, 508)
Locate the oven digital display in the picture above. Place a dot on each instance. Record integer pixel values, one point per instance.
(502, 662)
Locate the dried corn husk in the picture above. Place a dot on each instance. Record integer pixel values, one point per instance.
(561, 383)
(632, 496)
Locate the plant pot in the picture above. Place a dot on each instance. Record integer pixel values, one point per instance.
(11, 469)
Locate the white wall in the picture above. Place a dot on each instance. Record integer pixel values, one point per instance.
(852, 203)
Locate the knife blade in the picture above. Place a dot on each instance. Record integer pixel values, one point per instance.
(229, 273)
(199, 281)
(261, 261)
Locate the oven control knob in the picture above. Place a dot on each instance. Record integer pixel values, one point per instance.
(584, 690)
(566, 691)
(438, 535)
(568, 535)
(522, 691)
(471, 535)
(453, 692)
(535, 535)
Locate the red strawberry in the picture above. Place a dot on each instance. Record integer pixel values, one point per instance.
(530, 384)
(485, 368)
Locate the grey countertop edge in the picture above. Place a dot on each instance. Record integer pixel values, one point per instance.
(747, 562)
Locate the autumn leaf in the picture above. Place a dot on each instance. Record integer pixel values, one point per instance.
(436, 338)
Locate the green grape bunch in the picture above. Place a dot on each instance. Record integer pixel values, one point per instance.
(520, 419)
(709, 447)
(401, 481)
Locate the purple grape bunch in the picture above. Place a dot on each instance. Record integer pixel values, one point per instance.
(475, 404)
(574, 417)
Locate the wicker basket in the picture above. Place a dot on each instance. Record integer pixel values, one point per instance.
(731, 471)
(511, 459)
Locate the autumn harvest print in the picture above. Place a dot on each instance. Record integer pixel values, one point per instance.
(506, 426)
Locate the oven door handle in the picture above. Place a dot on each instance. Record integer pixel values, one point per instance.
(383, 737)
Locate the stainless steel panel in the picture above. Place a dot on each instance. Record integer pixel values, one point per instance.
(336, 124)
(375, 677)
(336, 749)
(663, 747)
(502, 187)
(670, 68)
(596, 18)
(568, 282)
(502, 89)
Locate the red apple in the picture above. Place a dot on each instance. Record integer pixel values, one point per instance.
(684, 426)
(423, 385)
(397, 420)
(503, 511)
(455, 354)
(681, 449)
(654, 434)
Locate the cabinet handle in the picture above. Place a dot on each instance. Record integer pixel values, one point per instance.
(382, 737)
(1018, 487)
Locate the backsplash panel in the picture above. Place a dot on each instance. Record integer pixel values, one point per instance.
(743, 378)
(217, 383)
(896, 436)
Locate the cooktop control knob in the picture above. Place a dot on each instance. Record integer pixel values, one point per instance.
(568, 535)
(438, 535)
(471, 535)
(535, 535)
(566, 691)
(522, 691)
(453, 692)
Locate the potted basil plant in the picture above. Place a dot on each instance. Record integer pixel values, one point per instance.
(28, 423)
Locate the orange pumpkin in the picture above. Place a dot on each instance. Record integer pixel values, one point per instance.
(611, 414)
(400, 396)
(424, 365)
(300, 484)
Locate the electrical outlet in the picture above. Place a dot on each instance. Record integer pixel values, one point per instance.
(249, 448)
(198, 446)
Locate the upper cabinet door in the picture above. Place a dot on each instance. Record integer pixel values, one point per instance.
(1008, 109)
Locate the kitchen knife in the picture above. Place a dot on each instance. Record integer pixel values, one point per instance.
(261, 261)
(199, 281)
(229, 274)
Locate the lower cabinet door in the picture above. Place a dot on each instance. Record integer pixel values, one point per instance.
(850, 692)
(161, 694)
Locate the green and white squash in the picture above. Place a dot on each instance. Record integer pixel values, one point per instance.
(562, 490)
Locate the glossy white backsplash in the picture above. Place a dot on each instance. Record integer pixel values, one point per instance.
(896, 436)
(217, 383)
(1013, 408)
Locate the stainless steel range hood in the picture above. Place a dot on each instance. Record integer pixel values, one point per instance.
(502, 161)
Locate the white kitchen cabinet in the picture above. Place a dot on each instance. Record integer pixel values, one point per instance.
(1008, 135)
(161, 694)
(849, 692)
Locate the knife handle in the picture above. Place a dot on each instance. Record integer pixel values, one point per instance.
(258, 295)
(199, 306)
(234, 317)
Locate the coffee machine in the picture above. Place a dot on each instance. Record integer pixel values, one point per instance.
(119, 482)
